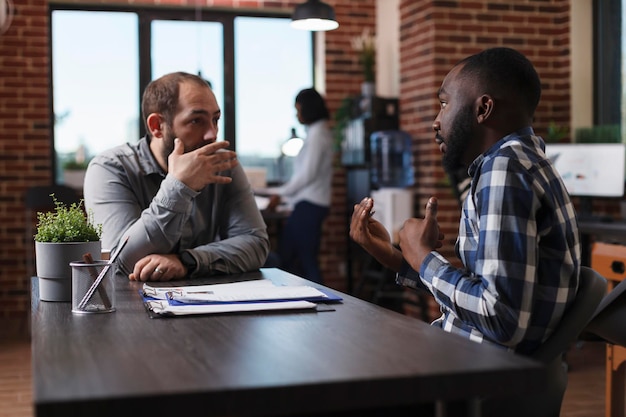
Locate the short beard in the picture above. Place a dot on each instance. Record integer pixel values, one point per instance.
(458, 140)
(168, 144)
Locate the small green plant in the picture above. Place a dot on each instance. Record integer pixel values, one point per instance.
(343, 115)
(599, 134)
(555, 133)
(67, 224)
(73, 165)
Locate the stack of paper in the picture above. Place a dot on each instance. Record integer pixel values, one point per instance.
(163, 308)
(255, 295)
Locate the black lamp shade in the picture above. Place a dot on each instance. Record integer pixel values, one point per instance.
(314, 15)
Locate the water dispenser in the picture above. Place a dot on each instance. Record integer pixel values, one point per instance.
(391, 159)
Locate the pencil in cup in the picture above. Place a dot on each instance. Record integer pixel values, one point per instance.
(84, 275)
(104, 272)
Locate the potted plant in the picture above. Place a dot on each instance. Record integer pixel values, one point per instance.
(365, 46)
(63, 236)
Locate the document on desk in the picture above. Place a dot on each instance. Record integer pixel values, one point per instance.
(163, 308)
(256, 295)
(162, 292)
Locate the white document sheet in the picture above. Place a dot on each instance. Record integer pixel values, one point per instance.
(161, 292)
(247, 293)
(162, 307)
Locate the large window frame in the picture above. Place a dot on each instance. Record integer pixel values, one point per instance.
(146, 15)
(608, 39)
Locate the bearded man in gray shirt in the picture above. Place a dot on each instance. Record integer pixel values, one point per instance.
(179, 196)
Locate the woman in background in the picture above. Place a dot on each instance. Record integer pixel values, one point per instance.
(308, 190)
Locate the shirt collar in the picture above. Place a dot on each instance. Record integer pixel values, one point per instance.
(146, 159)
(525, 132)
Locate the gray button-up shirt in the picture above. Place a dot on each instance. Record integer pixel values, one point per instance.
(130, 195)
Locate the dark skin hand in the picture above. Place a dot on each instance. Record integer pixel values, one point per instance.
(420, 237)
(372, 235)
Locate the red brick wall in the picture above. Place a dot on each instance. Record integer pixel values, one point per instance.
(25, 148)
(434, 35)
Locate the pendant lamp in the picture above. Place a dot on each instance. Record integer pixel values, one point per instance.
(314, 15)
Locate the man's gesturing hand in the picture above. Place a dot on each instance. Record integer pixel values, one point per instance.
(202, 166)
(419, 237)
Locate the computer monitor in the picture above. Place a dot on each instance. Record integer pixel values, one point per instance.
(590, 169)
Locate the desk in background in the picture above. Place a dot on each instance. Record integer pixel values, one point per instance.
(359, 360)
(600, 231)
(274, 220)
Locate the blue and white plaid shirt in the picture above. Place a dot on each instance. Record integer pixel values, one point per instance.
(519, 244)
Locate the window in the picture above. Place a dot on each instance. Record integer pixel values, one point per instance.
(607, 62)
(95, 84)
(194, 47)
(268, 79)
(98, 76)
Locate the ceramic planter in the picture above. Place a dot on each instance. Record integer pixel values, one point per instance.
(53, 267)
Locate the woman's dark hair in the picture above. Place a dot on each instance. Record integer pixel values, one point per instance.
(312, 106)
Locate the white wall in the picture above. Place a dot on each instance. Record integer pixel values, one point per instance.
(388, 48)
(581, 77)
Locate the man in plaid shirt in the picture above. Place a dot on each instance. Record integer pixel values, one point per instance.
(518, 238)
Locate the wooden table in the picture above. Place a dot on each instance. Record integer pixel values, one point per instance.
(359, 359)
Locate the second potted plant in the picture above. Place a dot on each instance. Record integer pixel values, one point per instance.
(63, 236)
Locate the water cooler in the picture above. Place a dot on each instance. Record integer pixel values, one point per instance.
(391, 173)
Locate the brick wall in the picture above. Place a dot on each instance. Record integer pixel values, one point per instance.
(434, 35)
(25, 148)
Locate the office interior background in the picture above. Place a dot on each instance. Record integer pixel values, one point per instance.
(574, 44)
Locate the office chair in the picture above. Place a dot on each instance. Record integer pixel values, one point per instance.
(609, 318)
(607, 325)
(591, 290)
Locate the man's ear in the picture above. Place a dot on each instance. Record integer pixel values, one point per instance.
(155, 125)
(484, 108)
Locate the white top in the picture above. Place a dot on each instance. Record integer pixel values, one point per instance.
(312, 170)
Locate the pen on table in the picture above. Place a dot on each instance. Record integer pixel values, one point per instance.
(88, 259)
(102, 274)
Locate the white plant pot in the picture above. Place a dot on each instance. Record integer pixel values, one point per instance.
(53, 266)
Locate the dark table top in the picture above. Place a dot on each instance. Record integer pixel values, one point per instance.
(358, 356)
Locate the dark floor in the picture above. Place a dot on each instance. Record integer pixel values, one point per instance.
(584, 396)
